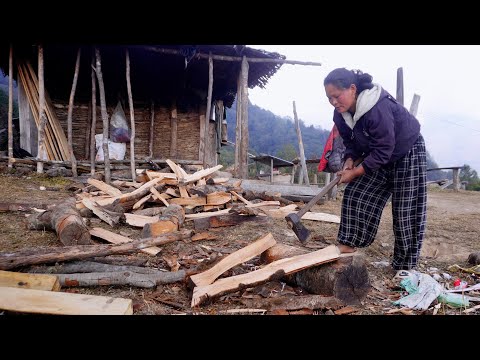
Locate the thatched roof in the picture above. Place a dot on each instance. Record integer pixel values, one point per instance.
(157, 76)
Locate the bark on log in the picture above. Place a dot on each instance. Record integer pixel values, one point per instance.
(50, 255)
(89, 267)
(294, 303)
(226, 220)
(121, 278)
(266, 196)
(346, 279)
(172, 219)
(120, 260)
(65, 220)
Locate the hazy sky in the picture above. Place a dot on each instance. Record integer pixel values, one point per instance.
(447, 78)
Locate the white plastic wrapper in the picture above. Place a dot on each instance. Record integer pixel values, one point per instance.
(116, 151)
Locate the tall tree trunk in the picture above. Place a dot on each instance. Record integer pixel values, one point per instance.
(132, 119)
(70, 112)
(94, 120)
(42, 154)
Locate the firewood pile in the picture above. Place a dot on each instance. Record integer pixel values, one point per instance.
(168, 205)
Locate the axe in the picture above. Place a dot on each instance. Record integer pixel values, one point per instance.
(294, 219)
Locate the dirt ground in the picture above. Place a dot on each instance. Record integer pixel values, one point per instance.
(453, 232)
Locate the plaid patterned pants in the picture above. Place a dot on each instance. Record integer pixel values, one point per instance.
(366, 196)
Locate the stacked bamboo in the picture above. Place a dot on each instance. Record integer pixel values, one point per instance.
(55, 140)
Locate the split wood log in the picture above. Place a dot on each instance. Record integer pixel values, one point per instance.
(172, 219)
(88, 267)
(121, 260)
(312, 302)
(121, 278)
(61, 303)
(110, 217)
(273, 271)
(188, 179)
(120, 239)
(29, 281)
(140, 220)
(226, 220)
(153, 211)
(218, 198)
(235, 258)
(106, 188)
(347, 279)
(50, 255)
(65, 220)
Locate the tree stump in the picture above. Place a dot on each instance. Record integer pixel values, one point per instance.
(65, 220)
(346, 279)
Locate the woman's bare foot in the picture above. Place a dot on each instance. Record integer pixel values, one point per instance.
(345, 248)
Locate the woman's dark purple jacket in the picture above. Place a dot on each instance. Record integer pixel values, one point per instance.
(382, 135)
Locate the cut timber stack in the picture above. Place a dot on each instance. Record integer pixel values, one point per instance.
(55, 140)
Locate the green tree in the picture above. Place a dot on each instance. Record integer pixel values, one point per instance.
(471, 176)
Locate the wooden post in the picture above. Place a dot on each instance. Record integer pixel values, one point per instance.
(132, 119)
(208, 145)
(42, 115)
(315, 178)
(150, 139)
(294, 170)
(94, 119)
(70, 112)
(414, 105)
(87, 132)
(173, 130)
(103, 107)
(327, 181)
(241, 135)
(300, 146)
(10, 107)
(271, 170)
(456, 179)
(400, 85)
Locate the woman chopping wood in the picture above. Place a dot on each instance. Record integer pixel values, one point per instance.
(373, 125)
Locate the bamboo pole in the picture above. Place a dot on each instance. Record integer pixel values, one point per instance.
(94, 119)
(103, 107)
(42, 115)
(70, 113)
(10, 107)
(233, 58)
(414, 105)
(207, 115)
(400, 85)
(300, 146)
(132, 118)
(150, 139)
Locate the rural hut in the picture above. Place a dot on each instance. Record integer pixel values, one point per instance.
(179, 94)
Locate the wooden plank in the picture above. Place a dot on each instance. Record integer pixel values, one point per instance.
(414, 105)
(106, 188)
(300, 146)
(400, 85)
(225, 220)
(206, 214)
(218, 198)
(284, 266)
(29, 281)
(140, 220)
(101, 213)
(59, 303)
(119, 239)
(199, 174)
(235, 258)
(196, 201)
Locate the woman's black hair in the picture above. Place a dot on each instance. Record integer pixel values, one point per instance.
(343, 78)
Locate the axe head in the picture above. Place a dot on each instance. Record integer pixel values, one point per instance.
(303, 234)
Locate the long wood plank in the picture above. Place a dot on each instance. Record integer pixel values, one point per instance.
(119, 239)
(29, 281)
(60, 303)
(284, 266)
(235, 258)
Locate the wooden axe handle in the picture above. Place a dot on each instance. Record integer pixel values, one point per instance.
(322, 193)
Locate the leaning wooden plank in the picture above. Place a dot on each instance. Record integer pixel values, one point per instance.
(48, 255)
(277, 269)
(235, 258)
(203, 215)
(155, 174)
(60, 303)
(29, 281)
(136, 194)
(119, 239)
(110, 217)
(106, 188)
(198, 175)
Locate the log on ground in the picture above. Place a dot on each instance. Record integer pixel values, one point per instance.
(346, 279)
